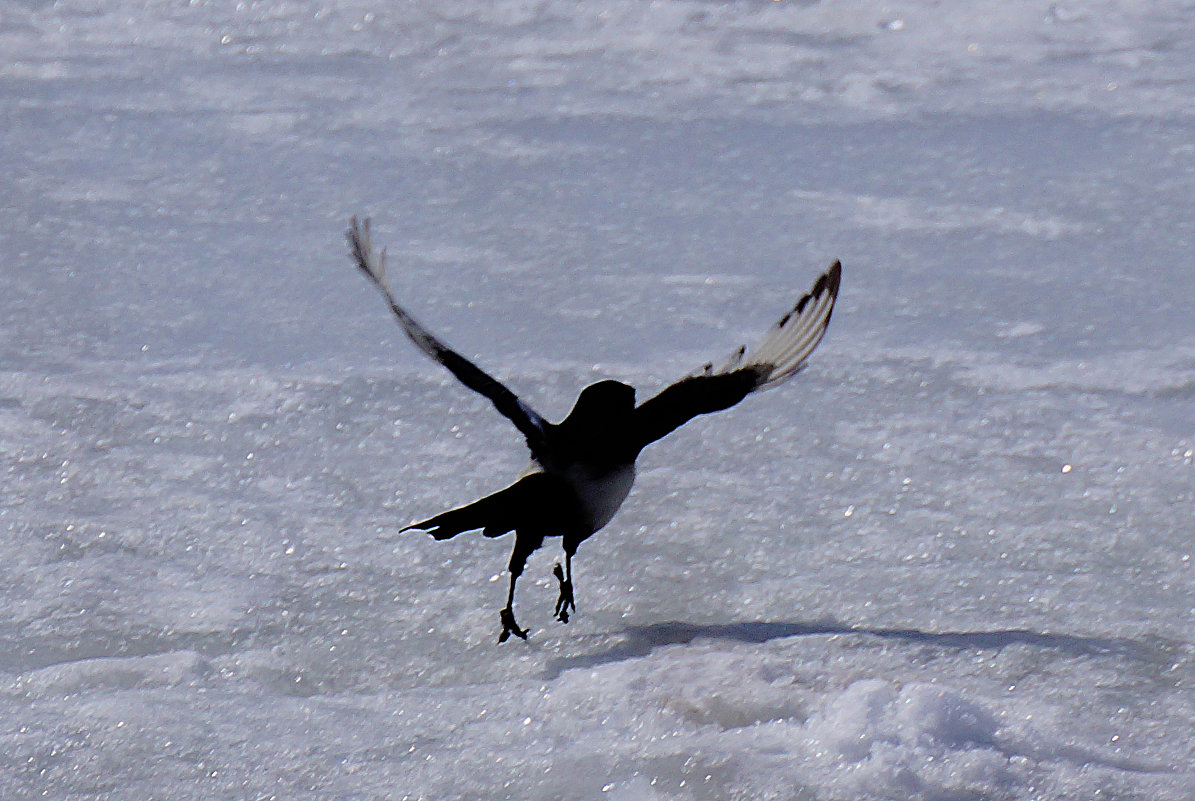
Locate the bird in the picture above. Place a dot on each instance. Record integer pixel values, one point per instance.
(584, 466)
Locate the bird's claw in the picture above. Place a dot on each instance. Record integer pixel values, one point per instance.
(509, 626)
(565, 601)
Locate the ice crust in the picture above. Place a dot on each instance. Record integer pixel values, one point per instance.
(951, 560)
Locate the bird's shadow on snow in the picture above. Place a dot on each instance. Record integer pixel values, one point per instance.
(638, 641)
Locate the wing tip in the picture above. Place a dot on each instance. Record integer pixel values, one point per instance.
(833, 278)
(835, 273)
(786, 350)
(368, 261)
(829, 281)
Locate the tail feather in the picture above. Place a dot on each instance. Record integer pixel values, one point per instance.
(495, 514)
(448, 524)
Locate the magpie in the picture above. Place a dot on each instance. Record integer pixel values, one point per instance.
(584, 466)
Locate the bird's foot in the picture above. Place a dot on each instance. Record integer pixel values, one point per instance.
(565, 601)
(509, 626)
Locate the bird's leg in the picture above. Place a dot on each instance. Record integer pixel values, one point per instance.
(518, 560)
(507, 615)
(565, 578)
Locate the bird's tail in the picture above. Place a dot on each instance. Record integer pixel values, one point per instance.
(495, 514)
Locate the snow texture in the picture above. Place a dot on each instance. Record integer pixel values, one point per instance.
(950, 561)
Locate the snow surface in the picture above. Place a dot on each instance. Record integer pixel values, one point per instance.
(952, 560)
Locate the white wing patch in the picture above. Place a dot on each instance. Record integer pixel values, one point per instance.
(782, 352)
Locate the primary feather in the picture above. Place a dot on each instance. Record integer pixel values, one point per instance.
(782, 352)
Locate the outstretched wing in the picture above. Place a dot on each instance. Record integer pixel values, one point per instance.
(373, 264)
(778, 357)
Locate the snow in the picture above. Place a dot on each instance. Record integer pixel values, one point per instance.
(951, 560)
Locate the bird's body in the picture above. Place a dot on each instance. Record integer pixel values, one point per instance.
(601, 495)
(584, 466)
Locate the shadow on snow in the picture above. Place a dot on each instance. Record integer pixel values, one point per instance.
(637, 641)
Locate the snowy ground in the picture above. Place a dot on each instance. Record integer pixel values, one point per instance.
(953, 560)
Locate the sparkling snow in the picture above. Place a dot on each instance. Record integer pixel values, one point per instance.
(952, 560)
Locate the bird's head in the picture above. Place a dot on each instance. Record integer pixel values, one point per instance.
(602, 404)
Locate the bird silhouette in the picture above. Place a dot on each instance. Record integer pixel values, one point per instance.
(584, 466)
